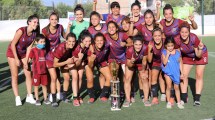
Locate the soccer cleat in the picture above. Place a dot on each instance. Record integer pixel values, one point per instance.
(91, 100)
(155, 101)
(126, 104)
(30, 99)
(104, 99)
(196, 103)
(147, 103)
(163, 97)
(37, 103)
(54, 104)
(180, 105)
(168, 105)
(76, 102)
(18, 101)
(47, 102)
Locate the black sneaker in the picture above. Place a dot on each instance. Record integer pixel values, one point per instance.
(47, 102)
(37, 103)
(142, 97)
(196, 103)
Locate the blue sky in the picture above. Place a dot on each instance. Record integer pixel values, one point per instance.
(67, 2)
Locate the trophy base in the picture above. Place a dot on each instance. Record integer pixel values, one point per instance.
(115, 109)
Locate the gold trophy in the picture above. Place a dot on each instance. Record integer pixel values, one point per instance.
(115, 89)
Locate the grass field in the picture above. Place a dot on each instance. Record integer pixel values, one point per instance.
(101, 111)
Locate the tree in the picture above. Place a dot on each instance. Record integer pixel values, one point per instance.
(175, 3)
(62, 10)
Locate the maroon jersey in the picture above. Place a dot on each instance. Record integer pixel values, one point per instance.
(130, 52)
(22, 44)
(39, 61)
(146, 33)
(59, 52)
(117, 20)
(93, 31)
(101, 56)
(187, 50)
(173, 29)
(53, 39)
(83, 50)
(156, 58)
(117, 52)
(140, 21)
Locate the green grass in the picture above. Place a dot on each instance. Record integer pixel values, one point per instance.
(100, 110)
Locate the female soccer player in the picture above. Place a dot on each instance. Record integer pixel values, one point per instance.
(194, 52)
(98, 56)
(171, 24)
(79, 24)
(171, 67)
(136, 13)
(115, 13)
(95, 25)
(80, 55)
(17, 53)
(154, 58)
(136, 58)
(53, 32)
(61, 56)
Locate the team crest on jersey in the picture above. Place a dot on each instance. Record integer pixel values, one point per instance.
(174, 30)
(35, 80)
(23, 39)
(146, 34)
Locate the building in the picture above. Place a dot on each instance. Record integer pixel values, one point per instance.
(103, 5)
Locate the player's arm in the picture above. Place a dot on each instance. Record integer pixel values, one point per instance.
(165, 58)
(150, 53)
(13, 45)
(91, 57)
(79, 59)
(198, 50)
(193, 25)
(64, 34)
(60, 64)
(129, 42)
(158, 5)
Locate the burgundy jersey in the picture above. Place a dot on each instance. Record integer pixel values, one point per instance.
(117, 20)
(130, 52)
(146, 33)
(173, 29)
(53, 39)
(59, 52)
(101, 56)
(23, 42)
(156, 58)
(83, 50)
(39, 61)
(117, 52)
(140, 21)
(187, 50)
(93, 31)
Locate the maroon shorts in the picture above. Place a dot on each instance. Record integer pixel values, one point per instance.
(40, 79)
(9, 54)
(139, 67)
(49, 64)
(196, 61)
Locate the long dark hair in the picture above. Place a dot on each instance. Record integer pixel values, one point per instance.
(169, 40)
(96, 14)
(115, 24)
(78, 7)
(150, 12)
(53, 13)
(34, 16)
(85, 33)
(136, 3)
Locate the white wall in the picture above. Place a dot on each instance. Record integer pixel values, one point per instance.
(9, 27)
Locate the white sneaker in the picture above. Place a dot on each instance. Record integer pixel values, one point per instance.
(163, 97)
(50, 97)
(180, 106)
(18, 101)
(30, 99)
(168, 105)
